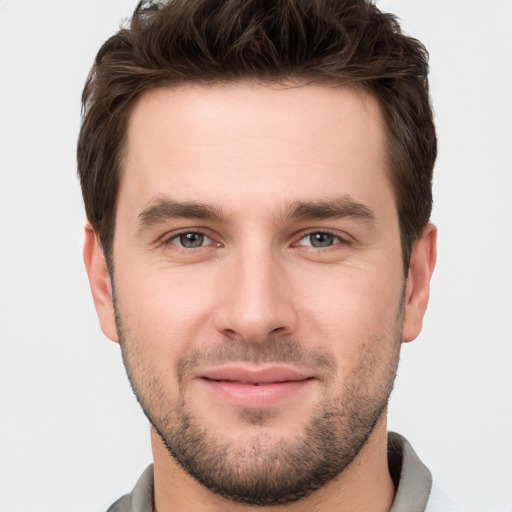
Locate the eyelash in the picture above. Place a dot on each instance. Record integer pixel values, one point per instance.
(169, 239)
(339, 240)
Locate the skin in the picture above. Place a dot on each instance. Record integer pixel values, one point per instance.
(251, 154)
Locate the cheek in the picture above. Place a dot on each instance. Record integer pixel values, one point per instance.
(164, 311)
(346, 309)
(353, 293)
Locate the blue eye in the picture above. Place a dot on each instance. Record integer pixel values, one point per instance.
(190, 240)
(319, 239)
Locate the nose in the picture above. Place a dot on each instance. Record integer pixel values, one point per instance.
(255, 299)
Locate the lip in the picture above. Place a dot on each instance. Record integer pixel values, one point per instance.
(255, 388)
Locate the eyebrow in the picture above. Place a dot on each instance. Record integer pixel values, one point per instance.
(336, 208)
(164, 208)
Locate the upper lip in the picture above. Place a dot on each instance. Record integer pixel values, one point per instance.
(243, 375)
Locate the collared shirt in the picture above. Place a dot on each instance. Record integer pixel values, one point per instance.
(412, 479)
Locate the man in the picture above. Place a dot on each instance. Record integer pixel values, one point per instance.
(257, 181)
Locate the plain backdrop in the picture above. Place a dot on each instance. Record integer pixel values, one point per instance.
(72, 436)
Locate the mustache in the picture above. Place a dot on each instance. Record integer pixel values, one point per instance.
(276, 350)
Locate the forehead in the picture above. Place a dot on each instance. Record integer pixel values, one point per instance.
(223, 141)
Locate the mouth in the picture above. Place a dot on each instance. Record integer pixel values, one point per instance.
(255, 388)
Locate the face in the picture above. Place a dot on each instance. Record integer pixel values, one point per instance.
(259, 290)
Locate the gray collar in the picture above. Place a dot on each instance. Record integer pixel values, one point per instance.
(411, 476)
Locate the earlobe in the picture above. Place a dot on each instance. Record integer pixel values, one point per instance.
(100, 282)
(423, 260)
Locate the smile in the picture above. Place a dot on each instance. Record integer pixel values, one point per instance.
(249, 388)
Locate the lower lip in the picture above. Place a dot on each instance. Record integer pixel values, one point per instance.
(251, 396)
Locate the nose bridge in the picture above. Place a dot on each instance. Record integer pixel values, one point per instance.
(256, 301)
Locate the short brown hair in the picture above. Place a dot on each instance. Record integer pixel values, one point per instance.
(332, 42)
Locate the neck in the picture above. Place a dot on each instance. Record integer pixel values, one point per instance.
(365, 485)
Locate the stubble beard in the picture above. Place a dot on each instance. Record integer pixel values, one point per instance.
(264, 470)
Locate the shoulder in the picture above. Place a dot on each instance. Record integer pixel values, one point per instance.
(140, 499)
(123, 504)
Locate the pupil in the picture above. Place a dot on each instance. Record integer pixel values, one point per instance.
(322, 240)
(191, 240)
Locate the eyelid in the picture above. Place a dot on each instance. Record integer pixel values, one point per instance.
(176, 240)
(344, 238)
(167, 239)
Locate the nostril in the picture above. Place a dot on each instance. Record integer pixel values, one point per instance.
(232, 334)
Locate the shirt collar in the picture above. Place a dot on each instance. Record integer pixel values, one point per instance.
(412, 479)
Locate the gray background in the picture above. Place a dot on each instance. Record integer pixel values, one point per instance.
(72, 436)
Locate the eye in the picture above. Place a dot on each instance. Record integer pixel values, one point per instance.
(191, 240)
(319, 239)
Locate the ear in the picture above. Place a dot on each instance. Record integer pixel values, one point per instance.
(417, 289)
(100, 282)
